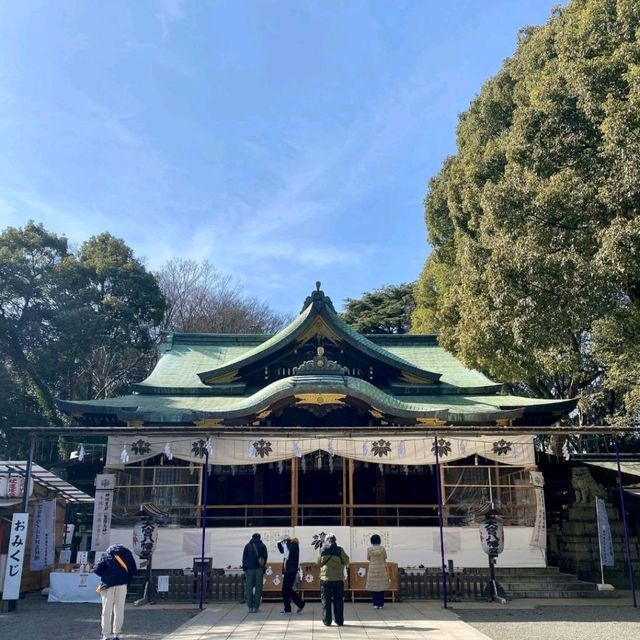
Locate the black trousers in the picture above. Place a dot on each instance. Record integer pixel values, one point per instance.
(378, 598)
(288, 594)
(332, 597)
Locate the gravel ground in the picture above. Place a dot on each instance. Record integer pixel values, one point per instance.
(552, 622)
(36, 619)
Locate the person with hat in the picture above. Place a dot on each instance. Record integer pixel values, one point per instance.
(332, 560)
(290, 549)
(254, 561)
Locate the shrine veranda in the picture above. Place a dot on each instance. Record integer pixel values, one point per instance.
(319, 428)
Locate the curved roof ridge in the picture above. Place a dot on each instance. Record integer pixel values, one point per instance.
(317, 306)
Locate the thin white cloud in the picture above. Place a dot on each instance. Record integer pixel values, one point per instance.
(167, 13)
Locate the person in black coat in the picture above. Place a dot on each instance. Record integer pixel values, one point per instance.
(116, 569)
(290, 548)
(254, 561)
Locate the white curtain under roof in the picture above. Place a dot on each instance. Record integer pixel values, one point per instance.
(258, 449)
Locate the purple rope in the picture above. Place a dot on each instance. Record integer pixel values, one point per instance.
(205, 469)
(440, 523)
(625, 528)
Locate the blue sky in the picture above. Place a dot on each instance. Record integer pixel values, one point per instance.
(284, 141)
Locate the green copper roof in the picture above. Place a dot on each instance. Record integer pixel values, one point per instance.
(213, 377)
(318, 309)
(155, 408)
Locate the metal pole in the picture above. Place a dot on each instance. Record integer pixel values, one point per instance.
(205, 469)
(27, 480)
(439, 489)
(627, 546)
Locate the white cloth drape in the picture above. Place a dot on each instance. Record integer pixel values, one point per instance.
(249, 449)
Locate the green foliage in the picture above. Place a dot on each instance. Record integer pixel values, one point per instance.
(71, 326)
(535, 223)
(385, 310)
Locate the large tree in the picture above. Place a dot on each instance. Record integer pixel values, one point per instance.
(384, 310)
(535, 223)
(200, 298)
(71, 326)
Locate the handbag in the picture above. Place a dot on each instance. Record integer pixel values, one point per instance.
(260, 558)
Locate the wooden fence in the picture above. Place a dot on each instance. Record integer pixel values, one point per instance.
(409, 586)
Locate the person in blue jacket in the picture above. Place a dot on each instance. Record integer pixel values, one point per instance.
(116, 569)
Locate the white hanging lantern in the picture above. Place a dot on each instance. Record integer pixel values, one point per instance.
(492, 534)
(145, 537)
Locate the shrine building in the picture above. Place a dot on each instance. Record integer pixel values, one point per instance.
(319, 428)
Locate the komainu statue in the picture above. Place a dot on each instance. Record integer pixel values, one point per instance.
(585, 487)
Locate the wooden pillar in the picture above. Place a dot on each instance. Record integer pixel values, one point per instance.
(294, 491)
(343, 510)
(350, 523)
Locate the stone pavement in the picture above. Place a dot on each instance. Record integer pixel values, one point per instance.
(399, 621)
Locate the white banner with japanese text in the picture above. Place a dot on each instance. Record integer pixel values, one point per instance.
(102, 508)
(15, 556)
(604, 534)
(42, 535)
(539, 535)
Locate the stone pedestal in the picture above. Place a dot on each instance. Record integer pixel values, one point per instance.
(575, 545)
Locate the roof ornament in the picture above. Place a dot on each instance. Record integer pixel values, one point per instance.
(318, 299)
(320, 365)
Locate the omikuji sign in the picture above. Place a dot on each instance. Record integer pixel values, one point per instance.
(15, 556)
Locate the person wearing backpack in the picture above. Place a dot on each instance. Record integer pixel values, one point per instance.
(332, 562)
(254, 561)
(116, 569)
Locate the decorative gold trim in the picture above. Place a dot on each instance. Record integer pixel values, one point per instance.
(134, 424)
(376, 414)
(226, 377)
(431, 422)
(213, 422)
(318, 326)
(263, 414)
(504, 423)
(320, 398)
(416, 379)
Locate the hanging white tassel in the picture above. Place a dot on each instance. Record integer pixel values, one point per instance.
(81, 453)
(331, 464)
(168, 454)
(319, 461)
(381, 467)
(208, 445)
(208, 469)
(297, 450)
(462, 447)
(251, 450)
(330, 448)
(191, 468)
(255, 469)
(124, 456)
(406, 470)
(280, 466)
(233, 469)
(303, 464)
(365, 449)
(402, 449)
